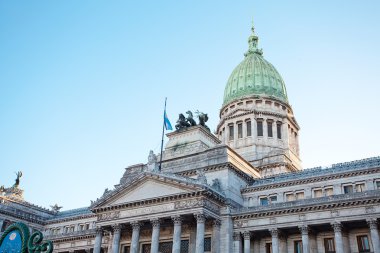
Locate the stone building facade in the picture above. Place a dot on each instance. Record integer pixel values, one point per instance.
(239, 190)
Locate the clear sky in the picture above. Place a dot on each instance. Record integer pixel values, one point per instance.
(82, 83)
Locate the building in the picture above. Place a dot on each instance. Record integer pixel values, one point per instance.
(241, 189)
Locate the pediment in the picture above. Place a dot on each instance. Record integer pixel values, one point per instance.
(147, 188)
(239, 112)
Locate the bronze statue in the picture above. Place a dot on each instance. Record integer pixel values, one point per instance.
(181, 122)
(17, 183)
(190, 118)
(56, 208)
(202, 119)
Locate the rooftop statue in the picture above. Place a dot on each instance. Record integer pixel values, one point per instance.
(56, 208)
(17, 183)
(152, 158)
(203, 118)
(190, 118)
(181, 122)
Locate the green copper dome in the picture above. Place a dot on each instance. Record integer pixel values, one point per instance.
(254, 76)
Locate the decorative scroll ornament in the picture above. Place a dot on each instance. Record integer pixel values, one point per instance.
(16, 238)
(35, 244)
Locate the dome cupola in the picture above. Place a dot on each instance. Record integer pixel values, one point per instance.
(254, 76)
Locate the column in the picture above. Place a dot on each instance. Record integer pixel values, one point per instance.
(98, 240)
(305, 238)
(372, 223)
(177, 221)
(192, 237)
(135, 237)
(215, 239)
(237, 242)
(282, 243)
(1, 225)
(116, 238)
(155, 235)
(338, 237)
(274, 233)
(247, 242)
(200, 241)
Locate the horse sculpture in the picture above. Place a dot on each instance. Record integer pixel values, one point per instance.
(181, 122)
(202, 119)
(190, 118)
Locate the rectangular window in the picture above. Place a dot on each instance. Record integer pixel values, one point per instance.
(264, 201)
(297, 246)
(270, 129)
(273, 199)
(231, 132)
(240, 130)
(329, 245)
(318, 193)
(126, 249)
(278, 131)
(259, 128)
(348, 189)
(329, 191)
(268, 248)
(290, 197)
(249, 128)
(359, 187)
(300, 195)
(377, 184)
(207, 245)
(363, 243)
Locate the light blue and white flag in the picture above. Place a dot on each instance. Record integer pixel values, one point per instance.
(167, 124)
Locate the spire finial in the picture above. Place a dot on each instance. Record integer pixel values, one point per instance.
(253, 41)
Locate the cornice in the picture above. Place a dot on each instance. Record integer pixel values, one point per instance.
(309, 205)
(78, 235)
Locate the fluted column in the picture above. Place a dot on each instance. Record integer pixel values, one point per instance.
(305, 238)
(135, 237)
(98, 240)
(177, 221)
(372, 223)
(338, 237)
(237, 243)
(200, 244)
(274, 233)
(116, 238)
(215, 240)
(247, 242)
(155, 235)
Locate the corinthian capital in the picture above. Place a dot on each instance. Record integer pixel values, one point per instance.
(155, 223)
(274, 232)
(372, 223)
(116, 228)
(135, 225)
(247, 235)
(304, 229)
(177, 220)
(337, 227)
(200, 217)
(99, 230)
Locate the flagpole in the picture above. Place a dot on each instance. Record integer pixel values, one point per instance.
(162, 139)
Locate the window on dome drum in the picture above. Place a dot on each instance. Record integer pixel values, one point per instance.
(278, 130)
(231, 132)
(348, 189)
(363, 243)
(270, 128)
(298, 247)
(249, 128)
(360, 187)
(264, 201)
(268, 247)
(329, 245)
(259, 128)
(240, 130)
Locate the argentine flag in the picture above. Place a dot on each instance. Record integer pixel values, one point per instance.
(167, 124)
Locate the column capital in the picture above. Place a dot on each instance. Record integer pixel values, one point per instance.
(372, 223)
(200, 217)
(216, 223)
(236, 236)
(135, 225)
(247, 235)
(155, 222)
(116, 227)
(274, 232)
(99, 230)
(337, 226)
(177, 220)
(304, 229)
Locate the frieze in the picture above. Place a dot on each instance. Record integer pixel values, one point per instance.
(147, 210)
(108, 216)
(192, 203)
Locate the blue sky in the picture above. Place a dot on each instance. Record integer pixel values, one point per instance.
(82, 83)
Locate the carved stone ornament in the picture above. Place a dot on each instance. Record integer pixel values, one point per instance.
(200, 217)
(236, 236)
(108, 216)
(116, 228)
(247, 235)
(337, 227)
(273, 232)
(372, 223)
(99, 230)
(136, 225)
(177, 220)
(216, 223)
(155, 223)
(304, 229)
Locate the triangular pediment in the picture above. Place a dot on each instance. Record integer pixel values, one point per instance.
(239, 112)
(146, 188)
